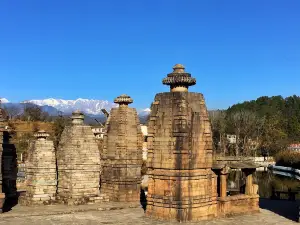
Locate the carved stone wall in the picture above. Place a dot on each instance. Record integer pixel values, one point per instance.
(182, 186)
(122, 155)
(41, 176)
(78, 164)
(238, 205)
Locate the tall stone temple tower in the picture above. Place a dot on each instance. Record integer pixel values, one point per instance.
(41, 171)
(182, 185)
(122, 153)
(78, 164)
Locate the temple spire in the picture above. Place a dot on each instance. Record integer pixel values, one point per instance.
(41, 135)
(77, 117)
(123, 100)
(179, 80)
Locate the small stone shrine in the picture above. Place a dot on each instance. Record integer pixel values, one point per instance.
(122, 153)
(78, 164)
(182, 185)
(41, 171)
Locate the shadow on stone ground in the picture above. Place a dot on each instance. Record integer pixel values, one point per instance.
(10, 203)
(143, 200)
(284, 208)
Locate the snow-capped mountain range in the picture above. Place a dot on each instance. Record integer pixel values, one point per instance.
(4, 100)
(88, 106)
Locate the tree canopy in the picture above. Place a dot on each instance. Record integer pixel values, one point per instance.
(269, 122)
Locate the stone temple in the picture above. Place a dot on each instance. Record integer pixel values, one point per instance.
(181, 182)
(184, 185)
(122, 153)
(41, 171)
(78, 164)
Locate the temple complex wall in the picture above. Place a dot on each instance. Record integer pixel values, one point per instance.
(237, 205)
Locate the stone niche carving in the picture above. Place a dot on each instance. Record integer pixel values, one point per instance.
(78, 164)
(122, 153)
(182, 185)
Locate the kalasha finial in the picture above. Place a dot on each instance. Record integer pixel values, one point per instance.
(41, 134)
(77, 117)
(179, 80)
(123, 100)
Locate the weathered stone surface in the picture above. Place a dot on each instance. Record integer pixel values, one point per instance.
(182, 186)
(122, 153)
(45, 215)
(237, 204)
(78, 164)
(40, 171)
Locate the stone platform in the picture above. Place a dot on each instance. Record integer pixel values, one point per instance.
(120, 213)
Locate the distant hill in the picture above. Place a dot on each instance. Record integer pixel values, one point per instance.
(18, 108)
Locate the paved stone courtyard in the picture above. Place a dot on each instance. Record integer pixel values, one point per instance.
(115, 214)
(136, 216)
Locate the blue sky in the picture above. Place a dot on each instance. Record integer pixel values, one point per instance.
(237, 50)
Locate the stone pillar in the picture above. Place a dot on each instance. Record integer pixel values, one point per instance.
(223, 182)
(78, 164)
(41, 175)
(122, 153)
(249, 180)
(182, 185)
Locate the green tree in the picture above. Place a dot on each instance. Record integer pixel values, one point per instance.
(58, 126)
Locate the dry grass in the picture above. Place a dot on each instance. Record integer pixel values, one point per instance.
(29, 127)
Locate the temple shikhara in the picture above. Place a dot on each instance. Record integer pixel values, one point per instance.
(78, 164)
(182, 183)
(122, 153)
(99, 165)
(41, 171)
